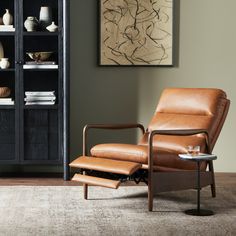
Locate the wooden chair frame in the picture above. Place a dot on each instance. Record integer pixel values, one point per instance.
(162, 181)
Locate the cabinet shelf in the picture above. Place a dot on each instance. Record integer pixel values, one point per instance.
(40, 33)
(51, 69)
(41, 107)
(3, 107)
(6, 70)
(7, 33)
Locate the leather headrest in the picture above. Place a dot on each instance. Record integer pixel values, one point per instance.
(192, 101)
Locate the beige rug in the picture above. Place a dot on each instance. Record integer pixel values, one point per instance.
(62, 211)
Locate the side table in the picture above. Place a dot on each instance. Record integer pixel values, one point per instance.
(198, 159)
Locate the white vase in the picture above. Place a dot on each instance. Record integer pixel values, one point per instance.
(4, 63)
(52, 27)
(7, 18)
(1, 51)
(31, 23)
(45, 16)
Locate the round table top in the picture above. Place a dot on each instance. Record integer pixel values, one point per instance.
(199, 157)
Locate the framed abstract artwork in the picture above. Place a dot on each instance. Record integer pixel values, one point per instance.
(136, 32)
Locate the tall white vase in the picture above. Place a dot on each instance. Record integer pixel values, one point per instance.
(1, 51)
(45, 16)
(7, 18)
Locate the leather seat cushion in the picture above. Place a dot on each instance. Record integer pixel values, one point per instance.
(165, 153)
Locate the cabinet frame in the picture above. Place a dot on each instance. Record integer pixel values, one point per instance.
(63, 73)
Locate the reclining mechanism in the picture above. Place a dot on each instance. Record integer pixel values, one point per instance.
(184, 116)
(86, 163)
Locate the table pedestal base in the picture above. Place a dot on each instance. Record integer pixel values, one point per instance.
(201, 212)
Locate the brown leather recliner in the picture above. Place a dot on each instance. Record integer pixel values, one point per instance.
(184, 116)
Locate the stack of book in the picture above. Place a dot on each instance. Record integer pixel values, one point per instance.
(7, 28)
(6, 101)
(40, 98)
(40, 65)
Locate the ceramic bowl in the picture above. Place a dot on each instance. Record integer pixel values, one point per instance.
(39, 56)
(4, 92)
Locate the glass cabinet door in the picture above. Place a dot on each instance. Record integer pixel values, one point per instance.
(8, 113)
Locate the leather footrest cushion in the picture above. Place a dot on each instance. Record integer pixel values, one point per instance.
(106, 165)
(91, 180)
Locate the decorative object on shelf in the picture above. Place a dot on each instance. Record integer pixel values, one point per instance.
(40, 98)
(1, 21)
(52, 27)
(45, 16)
(136, 33)
(7, 18)
(5, 92)
(9, 28)
(40, 65)
(31, 24)
(1, 51)
(6, 101)
(4, 63)
(39, 56)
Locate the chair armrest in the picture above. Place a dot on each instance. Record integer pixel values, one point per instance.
(182, 132)
(107, 126)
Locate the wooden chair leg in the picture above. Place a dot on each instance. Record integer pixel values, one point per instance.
(150, 192)
(85, 191)
(85, 188)
(213, 186)
(150, 200)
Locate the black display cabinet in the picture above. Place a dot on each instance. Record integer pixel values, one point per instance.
(35, 134)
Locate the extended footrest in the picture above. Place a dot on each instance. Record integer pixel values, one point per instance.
(91, 180)
(106, 165)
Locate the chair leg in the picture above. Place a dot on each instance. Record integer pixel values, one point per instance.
(150, 192)
(85, 188)
(150, 200)
(85, 191)
(213, 186)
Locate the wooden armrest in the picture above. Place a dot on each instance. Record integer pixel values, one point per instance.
(181, 132)
(107, 126)
(113, 126)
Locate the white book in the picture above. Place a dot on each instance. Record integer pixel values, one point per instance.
(40, 98)
(28, 67)
(40, 63)
(5, 99)
(7, 103)
(7, 28)
(41, 103)
(40, 93)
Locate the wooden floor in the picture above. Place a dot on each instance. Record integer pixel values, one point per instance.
(222, 179)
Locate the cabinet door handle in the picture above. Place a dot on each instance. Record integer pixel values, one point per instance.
(19, 62)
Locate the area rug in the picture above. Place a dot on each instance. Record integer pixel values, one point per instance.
(63, 211)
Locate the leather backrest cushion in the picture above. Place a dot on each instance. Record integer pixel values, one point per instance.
(191, 101)
(185, 108)
(179, 121)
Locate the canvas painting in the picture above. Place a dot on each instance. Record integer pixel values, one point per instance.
(136, 32)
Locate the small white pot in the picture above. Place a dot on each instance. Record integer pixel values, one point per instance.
(31, 23)
(52, 27)
(4, 63)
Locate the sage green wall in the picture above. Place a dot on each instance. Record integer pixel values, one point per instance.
(206, 58)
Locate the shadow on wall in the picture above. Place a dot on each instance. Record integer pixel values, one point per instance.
(98, 94)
